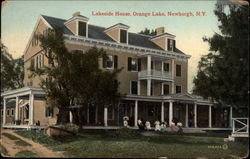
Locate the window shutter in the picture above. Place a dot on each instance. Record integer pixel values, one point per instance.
(173, 45)
(104, 64)
(42, 60)
(52, 111)
(46, 111)
(129, 63)
(168, 44)
(139, 64)
(36, 62)
(115, 61)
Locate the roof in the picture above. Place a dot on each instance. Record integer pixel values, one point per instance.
(97, 32)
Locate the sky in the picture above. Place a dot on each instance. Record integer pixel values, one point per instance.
(19, 18)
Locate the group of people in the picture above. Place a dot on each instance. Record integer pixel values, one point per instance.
(175, 125)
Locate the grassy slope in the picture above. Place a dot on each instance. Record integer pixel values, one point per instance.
(109, 145)
(18, 141)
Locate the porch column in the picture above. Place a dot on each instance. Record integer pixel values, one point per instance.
(17, 111)
(170, 112)
(149, 65)
(172, 73)
(231, 117)
(4, 111)
(186, 116)
(149, 87)
(138, 87)
(210, 116)
(136, 112)
(195, 115)
(162, 111)
(31, 109)
(70, 117)
(105, 116)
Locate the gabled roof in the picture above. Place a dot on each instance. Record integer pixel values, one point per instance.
(97, 32)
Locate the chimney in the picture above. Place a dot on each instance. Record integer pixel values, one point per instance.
(76, 14)
(160, 30)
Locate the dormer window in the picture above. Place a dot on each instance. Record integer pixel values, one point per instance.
(82, 28)
(118, 32)
(123, 36)
(171, 45)
(78, 25)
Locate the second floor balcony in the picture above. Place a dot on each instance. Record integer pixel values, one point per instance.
(155, 75)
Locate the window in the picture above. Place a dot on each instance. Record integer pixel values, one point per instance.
(166, 67)
(133, 87)
(8, 112)
(165, 89)
(110, 61)
(134, 64)
(2, 112)
(111, 112)
(39, 60)
(12, 112)
(152, 65)
(82, 28)
(49, 111)
(178, 89)
(171, 45)
(178, 70)
(152, 89)
(123, 36)
(32, 63)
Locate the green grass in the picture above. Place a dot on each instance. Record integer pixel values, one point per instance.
(109, 144)
(26, 154)
(18, 141)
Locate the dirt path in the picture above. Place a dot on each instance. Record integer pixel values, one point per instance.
(12, 148)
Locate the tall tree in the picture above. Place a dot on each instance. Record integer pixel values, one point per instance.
(11, 70)
(223, 74)
(74, 78)
(147, 31)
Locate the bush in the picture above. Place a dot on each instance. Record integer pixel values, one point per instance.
(70, 127)
(126, 132)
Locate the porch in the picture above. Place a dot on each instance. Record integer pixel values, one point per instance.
(24, 114)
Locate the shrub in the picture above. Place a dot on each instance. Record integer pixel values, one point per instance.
(126, 132)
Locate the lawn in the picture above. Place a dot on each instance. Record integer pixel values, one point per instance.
(17, 140)
(111, 144)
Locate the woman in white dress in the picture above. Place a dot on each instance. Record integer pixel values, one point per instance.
(157, 125)
(148, 126)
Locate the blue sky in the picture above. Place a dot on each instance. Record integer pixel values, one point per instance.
(19, 19)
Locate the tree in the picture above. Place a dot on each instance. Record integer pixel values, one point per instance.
(74, 78)
(11, 70)
(223, 74)
(146, 31)
(56, 83)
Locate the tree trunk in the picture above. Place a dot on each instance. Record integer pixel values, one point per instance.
(63, 115)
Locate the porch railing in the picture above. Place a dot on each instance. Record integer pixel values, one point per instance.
(240, 125)
(158, 75)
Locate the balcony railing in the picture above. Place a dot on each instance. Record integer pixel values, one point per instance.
(156, 75)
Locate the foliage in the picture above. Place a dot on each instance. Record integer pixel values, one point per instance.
(127, 133)
(147, 31)
(73, 77)
(223, 74)
(11, 70)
